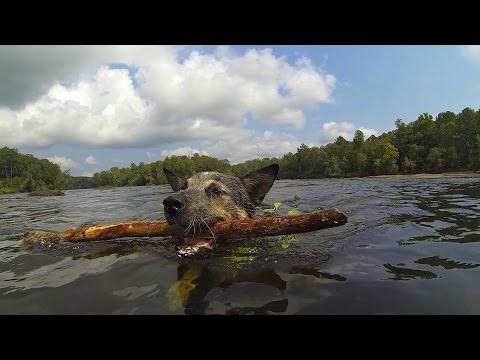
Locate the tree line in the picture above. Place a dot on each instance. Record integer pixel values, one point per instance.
(24, 172)
(450, 142)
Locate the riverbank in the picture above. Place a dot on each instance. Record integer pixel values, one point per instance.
(427, 175)
(7, 191)
(399, 176)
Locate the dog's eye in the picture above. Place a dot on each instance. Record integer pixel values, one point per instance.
(216, 191)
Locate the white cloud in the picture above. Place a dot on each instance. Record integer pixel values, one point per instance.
(64, 162)
(471, 52)
(184, 150)
(331, 130)
(367, 132)
(242, 145)
(104, 111)
(88, 173)
(90, 160)
(248, 144)
(177, 94)
(150, 155)
(28, 71)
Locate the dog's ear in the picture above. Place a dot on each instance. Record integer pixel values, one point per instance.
(176, 181)
(259, 182)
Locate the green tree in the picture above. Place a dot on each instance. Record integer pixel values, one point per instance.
(358, 140)
(450, 158)
(408, 165)
(333, 168)
(446, 143)
(435, 159)
(386, 161)
(468, 126)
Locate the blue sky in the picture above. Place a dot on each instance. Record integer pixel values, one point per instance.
(89, 108)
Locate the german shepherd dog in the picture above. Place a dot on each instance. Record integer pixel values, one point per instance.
(209, 197)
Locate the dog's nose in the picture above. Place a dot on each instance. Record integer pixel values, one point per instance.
(173, 204)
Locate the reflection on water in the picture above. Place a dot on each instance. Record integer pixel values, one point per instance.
(452, 211)
(317, 274)
(201, 289)
(445, 263)
(422, 231)
(401, 273)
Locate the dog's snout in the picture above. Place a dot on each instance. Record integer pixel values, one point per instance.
(173, 204)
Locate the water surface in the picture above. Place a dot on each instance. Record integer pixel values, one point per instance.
(411, 246)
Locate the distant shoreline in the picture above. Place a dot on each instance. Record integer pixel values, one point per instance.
(399, 176)
(428, 175)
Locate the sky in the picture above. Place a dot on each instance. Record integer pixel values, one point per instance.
(90, 108)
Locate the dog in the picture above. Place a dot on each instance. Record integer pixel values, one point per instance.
(210, 197)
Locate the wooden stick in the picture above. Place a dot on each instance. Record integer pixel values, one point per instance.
(246, 228)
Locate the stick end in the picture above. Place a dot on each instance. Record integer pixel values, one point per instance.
(40, 237)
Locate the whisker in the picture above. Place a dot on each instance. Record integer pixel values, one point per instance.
(152, 226)
(194, 223)
(189, 227)
(214, 238)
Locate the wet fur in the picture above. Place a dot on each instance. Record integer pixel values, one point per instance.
(210, 197)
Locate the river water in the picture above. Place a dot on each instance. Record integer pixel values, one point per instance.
(411, 246)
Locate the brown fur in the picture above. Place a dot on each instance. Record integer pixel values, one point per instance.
(209, 197)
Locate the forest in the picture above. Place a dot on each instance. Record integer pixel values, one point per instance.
(448, 143)
(24, 173)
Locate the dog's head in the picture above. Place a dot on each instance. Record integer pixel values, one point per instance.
(209, 197)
